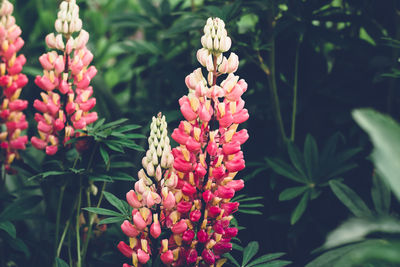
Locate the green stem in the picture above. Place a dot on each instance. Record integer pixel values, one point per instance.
(59, 206)
(295, 89)
(78, 238)
(89, 233)
(62, 238)
(91, 219)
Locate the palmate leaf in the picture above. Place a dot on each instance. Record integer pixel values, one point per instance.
(385, 135)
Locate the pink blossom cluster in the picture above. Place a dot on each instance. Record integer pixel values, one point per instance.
(194, 211)
(67, 100)
(12, 81)
(152, 198)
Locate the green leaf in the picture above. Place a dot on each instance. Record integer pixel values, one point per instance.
(249, 252)
(19, 245)
(104, 155)
(284, 169)
(100, 178)
(328, 259)
(266, 258)
(61, 263)
(385, 135)
(349, 198)
(292, 192)
(278, 263)
(9, 228)
(311, 155)
(18, 209)
(253, 212)
(301, 207)
(122, 177)
(356, 229)
(113, 123)
(115, 202)
(102, 211)
(127, 128)
(231, 259)
(381, 196)
(296, 158)
(111, 220)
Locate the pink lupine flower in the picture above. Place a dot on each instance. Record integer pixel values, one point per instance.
(67, 98)
(191, 198)
(12, 81)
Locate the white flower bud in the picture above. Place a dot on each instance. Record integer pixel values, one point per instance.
(209, 43)
(158, 173)
(150, 170)
(223, 67)
(155, 159)
(164, 161)
(145, 162)
(63, 5)
(142, 175)
(65, 27)
(170, 160)
(210, 78)
(159, 150)
(216, 44)
(59, 42)
(58, 25)
(210, 63)
(93, 189)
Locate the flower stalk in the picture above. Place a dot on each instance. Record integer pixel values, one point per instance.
(194, 210)
(12, 118)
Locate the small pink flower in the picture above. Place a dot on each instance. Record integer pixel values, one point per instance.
(125, 249)
(143, 257)
(139, 222)
(129, 229)
(179, 227)
(208, 256)
(167, 257)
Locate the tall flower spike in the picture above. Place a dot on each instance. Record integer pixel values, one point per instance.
(194, 211)
(151, 196)
(11, 81)
(209, 153)
(66, 101)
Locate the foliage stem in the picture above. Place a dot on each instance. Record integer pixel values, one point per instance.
(91, 219)
(59, 206)
(77, 226)
(295, 89)
(270, 72)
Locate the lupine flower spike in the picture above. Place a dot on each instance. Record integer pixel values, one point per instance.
(11, 81)
(209, 155)
(196, 210)
(152, 196)
(66, 101)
